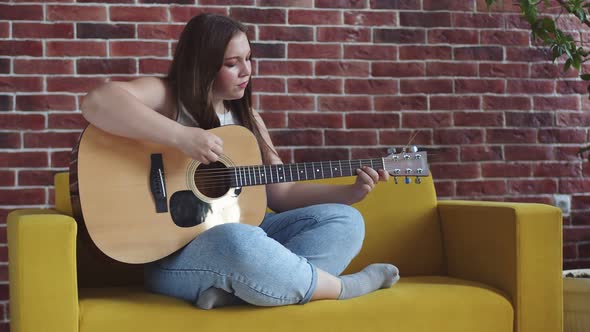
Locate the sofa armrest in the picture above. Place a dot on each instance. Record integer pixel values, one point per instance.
(515, 247)
(42, 271)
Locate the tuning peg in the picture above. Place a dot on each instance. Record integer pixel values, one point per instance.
(414, 149)
(407, 180)
(395, 179)
(418, 180)
(391, 151)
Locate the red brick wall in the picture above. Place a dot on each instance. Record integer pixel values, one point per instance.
(335, 79)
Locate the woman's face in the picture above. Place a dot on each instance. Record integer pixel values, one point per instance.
(234, 75)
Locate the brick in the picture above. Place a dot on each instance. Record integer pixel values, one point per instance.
(318, 154)
(76, 13)
(528, 152)
(22, 196)
(340, 4)
(286, 103)
(480, 53)
(342, 68)
(315, 120)
(478, 119)
(154, 66)
(534, 186)
(557, 169)
(20, 84)
(7, 178)
(573, 186)
(159, 31)
(314, 85)
(426, 120)
(428, 86)
(41, 30)
(503, 7)
(367, 153)
(13, 12)
(73, 84)
(458, 136)
(4, 66)
(76, 48)
(51, 140)
(370, 86)
(504, 70)
(481, 188)
(264, 84)
(480, 86)
(285, 3)
(291, 68)
(5, 30)
(562, 136)
(138, 14)
(22, 121)
(455, 171)
(259, 16)
(105, 66)
(61, 159)
(561, 103)
(315, 17)
(566, 153)
(104, 31)
(315, 51)
(535, 120)
(451, 69)
(505, 38)
(503, 169)
(446, 5)
(425, 53)
(550, 70)
(10, 140)
(373, 120)
(528, 54)
(448, 36)
(139, 48)
(66, 121)
(6, 103)
(282, 33)
(506, 103)
(445, 188)
(369, 18)
(296, 137)
(36, 178)
(395, 4)
(399, 36)
(576, 234)
(226, 2)
(274, 119)
(46, 66)
(45, 103)
(21, 47)
(531, 86)
(443, 155)
(406, 69)
(399, 138)
(401, 103)
(370, 52)
(262, 50)
(481, 153)
(455, 103)
(502, 135)
(337, 34)
(476, 20)
(344, 103)
(571, 87)
(425, 19)
(183, 14)
(572, 119)
(23, 159)
(350, 137)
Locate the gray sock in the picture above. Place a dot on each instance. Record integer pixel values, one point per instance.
(216, 297)
(371, 278)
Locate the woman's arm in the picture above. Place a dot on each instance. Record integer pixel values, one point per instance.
(143, 109)
(292, 195)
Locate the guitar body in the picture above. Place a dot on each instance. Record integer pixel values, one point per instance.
(140, 202)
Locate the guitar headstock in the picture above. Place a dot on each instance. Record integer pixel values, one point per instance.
(408, 163)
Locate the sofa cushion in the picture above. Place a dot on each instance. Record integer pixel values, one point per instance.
(413, 304)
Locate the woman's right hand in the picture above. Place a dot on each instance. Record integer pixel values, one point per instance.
(200, 144)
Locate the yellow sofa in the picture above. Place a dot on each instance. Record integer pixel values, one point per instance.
(465, 266)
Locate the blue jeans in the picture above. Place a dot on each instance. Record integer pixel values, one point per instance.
(270, 265)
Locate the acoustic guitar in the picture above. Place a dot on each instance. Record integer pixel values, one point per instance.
(141, 201)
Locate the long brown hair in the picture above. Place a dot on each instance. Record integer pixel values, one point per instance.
(198, 57)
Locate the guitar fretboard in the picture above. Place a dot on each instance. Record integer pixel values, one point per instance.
(266, 174)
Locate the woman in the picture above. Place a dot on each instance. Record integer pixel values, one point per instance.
(295, 255)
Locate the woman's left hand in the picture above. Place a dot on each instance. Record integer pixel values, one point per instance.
(366, 180)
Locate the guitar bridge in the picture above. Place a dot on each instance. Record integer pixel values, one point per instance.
(158, 183)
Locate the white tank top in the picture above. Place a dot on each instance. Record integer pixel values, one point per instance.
(184, 118)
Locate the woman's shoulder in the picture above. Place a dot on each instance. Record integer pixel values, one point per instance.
(154, 92)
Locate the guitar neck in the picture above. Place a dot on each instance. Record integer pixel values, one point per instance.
(266, 174)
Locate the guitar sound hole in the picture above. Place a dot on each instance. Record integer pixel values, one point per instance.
(213, 180)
